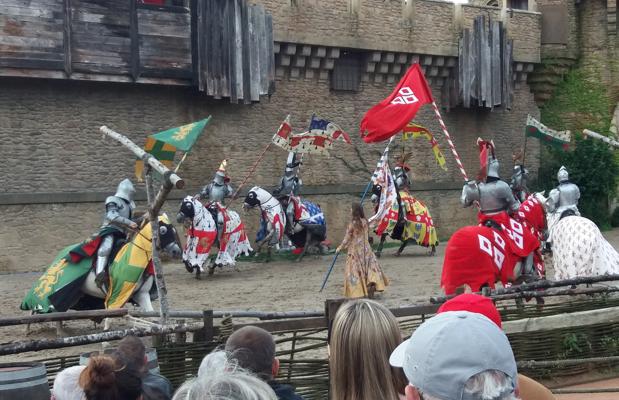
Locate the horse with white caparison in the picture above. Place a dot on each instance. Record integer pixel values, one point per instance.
(202, 234)
(301, 221)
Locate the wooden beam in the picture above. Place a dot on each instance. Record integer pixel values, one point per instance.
(168, 175)
(66, 40)
(195, 52)
(601, 137)
(45, 344)
(63, 316)
(135, 40)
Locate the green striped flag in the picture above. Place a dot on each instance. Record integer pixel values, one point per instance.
(550, 136)
(183, 137)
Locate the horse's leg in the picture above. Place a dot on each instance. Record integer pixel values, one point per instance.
(401, 249)
(308, 242)
(432, 251)
(198, 272)
(380, 245)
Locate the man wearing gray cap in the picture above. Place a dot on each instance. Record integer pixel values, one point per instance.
(458, 355)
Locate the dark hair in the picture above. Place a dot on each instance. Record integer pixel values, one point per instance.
(253, 349)
(132, 352)
(107, 378)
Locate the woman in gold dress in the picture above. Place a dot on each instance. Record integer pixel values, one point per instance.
(363, 275)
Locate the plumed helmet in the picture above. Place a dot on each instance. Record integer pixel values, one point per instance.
(563, 175)
(126, 191)
(493, 167)
(220, 175)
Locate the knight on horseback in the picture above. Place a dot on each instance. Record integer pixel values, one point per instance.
(219, 189)
(290, 182)
(116, 226)
(519, 178)
(497, 206)
(562, 201)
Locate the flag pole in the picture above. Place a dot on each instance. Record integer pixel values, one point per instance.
(367, 188)
(451, 144)
(180, 162)
(251, 171)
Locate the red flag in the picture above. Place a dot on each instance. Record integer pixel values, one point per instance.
(392, 114)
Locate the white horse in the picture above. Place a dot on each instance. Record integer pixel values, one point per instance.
(202, 234)
(579, 249)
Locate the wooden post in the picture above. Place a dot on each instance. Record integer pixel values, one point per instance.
(66, 38)
(162, 291)
(135, 40)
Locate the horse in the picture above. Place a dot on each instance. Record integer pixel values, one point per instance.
(301, 221)
(414, 223)
(202, 234)
(579, 248)
(481, 255)
(69, 282)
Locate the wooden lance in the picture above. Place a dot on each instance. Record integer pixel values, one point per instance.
(601, 137)
(170, 180)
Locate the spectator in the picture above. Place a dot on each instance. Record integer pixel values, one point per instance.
(458, 355)
(107, 378)
(132, 352)
(253, 349)
(363, 335)
(66, 385)
(222, 379)
(528, 389)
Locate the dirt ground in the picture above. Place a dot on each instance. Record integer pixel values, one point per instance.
(275, 286)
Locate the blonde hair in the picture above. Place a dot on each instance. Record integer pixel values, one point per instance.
(364, 334)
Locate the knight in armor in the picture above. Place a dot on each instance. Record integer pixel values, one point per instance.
(116, 226)
(519, 178)
(495, 197)
(562, 200)
(290, 182)
(219, 189)
(400, 176)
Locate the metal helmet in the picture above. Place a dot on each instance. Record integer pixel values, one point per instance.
(126, 191)
(220, 175)
(563, 175)
(493, 167)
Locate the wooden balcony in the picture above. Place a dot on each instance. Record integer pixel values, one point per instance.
(224, 48)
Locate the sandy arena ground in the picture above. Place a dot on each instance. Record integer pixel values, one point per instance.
(275, 286)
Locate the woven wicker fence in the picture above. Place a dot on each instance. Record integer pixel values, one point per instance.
(302, 344)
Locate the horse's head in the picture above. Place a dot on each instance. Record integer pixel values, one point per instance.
(187, 210)
(540, 196)
(169, 242)
(252, 199)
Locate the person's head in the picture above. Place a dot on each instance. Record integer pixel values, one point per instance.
(66, 385)
(253, 349)
(224, 380)
(131, 351)
(473, 303)
(357, 211)
(107, 378)
(363, 335)
(458, 355)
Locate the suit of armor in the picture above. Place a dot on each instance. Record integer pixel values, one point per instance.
(290, 182)
(565, 196)
(494, 195)
(401, 179)
(519, 182)
(219, 189)
(116, 224)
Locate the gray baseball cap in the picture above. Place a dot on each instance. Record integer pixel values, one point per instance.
(451, 347)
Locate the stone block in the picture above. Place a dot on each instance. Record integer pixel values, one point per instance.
(401, 58)
(371, 67)
(276, 47)
(396, 68)
(327, 63)
(310, 74)
(305, 50)
(280, 72)
(391, 78)
(290, 49)
(333, 52)
(414, 59)
(383, 68)
(378, 78)
(375, 56)
(295, 73)
(319, 51)
(314, 63)
(299, 62)
(324, 75)
(426, 60)
(284, 60)
(388, 57)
